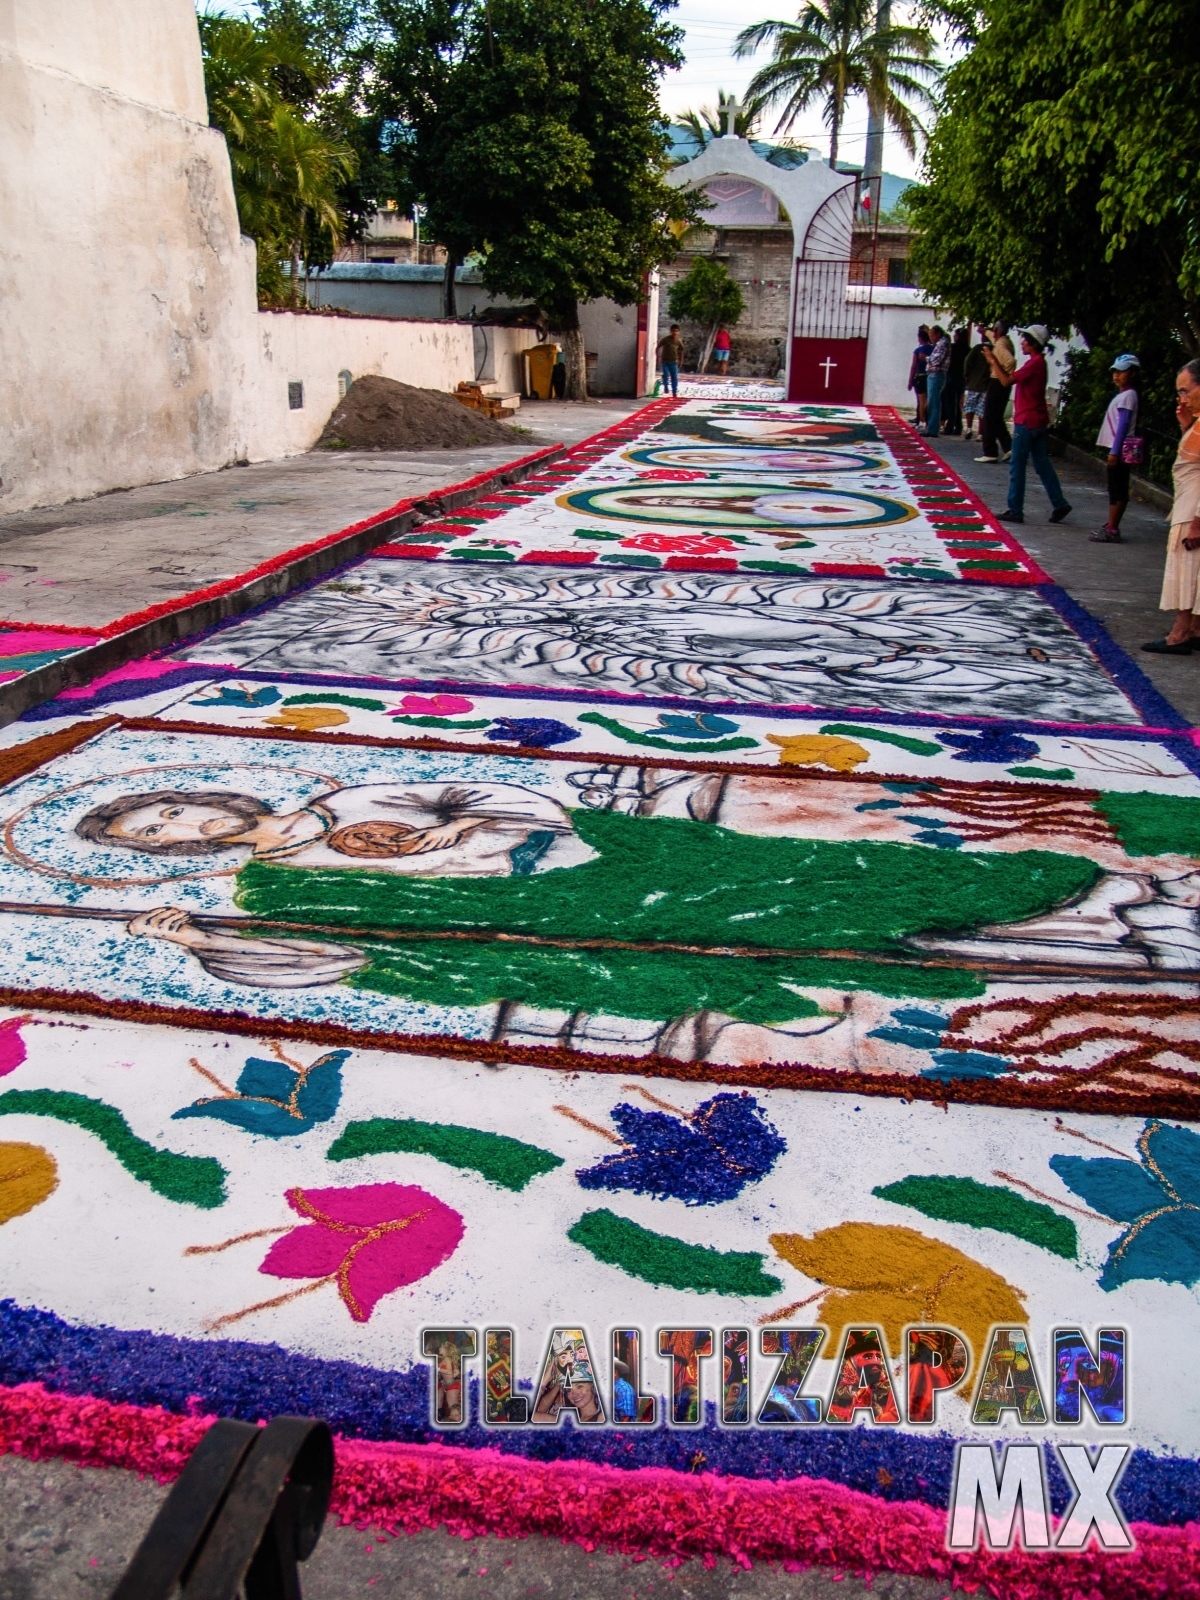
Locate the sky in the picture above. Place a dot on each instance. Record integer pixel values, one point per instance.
(710, 27)
(710, 30)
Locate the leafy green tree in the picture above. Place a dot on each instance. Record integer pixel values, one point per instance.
(423, 95)
(836, 49)
(534, 136)
(708, 296)
(286, 169)
(1063, 183)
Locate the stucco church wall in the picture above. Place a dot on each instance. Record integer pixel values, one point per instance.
(125, 285)
(131, 347)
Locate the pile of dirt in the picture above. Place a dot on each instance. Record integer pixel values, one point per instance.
(381, 414)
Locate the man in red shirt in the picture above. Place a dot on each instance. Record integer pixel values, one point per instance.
(1031, 427)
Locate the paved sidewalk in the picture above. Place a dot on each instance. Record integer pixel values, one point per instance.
(1118, 583)
(86, 563)
(66, 1533)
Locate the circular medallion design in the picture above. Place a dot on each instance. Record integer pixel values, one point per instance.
(750, 506)
(736, 458)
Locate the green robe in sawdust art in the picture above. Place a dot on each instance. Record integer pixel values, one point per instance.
(663, 879)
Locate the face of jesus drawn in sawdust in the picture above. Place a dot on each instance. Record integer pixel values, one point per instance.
(174, 822)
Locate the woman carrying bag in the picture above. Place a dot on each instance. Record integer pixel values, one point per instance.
(1119, 436)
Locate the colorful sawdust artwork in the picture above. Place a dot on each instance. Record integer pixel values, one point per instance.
(24, 648)
(722, 484)
(794, 970)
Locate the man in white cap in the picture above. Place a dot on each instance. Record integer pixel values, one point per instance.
(1031, 427)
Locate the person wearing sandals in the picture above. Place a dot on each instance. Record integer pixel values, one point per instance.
(1120, 440)
(1181, 580)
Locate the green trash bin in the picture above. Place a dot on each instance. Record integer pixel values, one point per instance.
(539, 364)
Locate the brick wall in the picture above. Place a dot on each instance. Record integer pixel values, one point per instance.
(760, 261)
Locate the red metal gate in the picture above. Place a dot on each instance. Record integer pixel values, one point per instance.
(830, 321)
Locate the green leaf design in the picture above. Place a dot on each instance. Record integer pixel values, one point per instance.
(985, 1205)
(657, 1258)
(190, 1180)
(507, 1162)
(915, 747)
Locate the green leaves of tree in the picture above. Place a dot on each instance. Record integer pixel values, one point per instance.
(837, 48)
(1064, 171)
(287, 169)
(534, 137)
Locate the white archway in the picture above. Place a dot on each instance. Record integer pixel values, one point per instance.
(820, 204)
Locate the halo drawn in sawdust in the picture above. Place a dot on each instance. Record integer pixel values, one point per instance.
(119, 782)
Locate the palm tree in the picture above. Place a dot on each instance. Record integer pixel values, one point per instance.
(837, 48)
(286, 168)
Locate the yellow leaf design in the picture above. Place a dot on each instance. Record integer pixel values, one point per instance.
(28, 1175)
(887, 1277)
(818, 750)
(306, 719)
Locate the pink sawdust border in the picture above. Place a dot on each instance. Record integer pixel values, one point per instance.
(651, 1511)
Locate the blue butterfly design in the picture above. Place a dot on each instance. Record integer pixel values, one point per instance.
(232, 694)
(694, 725)
(276, 1099)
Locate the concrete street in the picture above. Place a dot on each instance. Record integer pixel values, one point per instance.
(1118, 583)
(88, 562)
(67, 1532)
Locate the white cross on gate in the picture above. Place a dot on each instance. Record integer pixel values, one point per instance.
(827, 366)
(729, 111)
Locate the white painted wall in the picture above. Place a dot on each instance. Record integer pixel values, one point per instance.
(123, 277)
(896, 315)
(131, 347)
(313, 350)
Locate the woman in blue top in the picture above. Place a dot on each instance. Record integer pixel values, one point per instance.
(1120, 423)
(917, 379)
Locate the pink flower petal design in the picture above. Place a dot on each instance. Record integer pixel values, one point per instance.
(12, 1046)
(373, 1238)
(435, 705)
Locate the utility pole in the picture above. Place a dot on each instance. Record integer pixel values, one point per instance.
(873, 161)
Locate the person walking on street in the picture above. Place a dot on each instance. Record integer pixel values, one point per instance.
(952, 394)
(1031, 427)
(937, 370)
(976, 376)
(996, 439)
(916, 371)
(670, 353)
(1122, 444)
(1181, 580)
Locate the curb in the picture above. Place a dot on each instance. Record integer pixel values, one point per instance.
(141, 633)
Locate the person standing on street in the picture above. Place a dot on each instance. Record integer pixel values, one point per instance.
(1122, 444)
(952, 394)
(1181, 580)
(1031, 427)
(976, 376)
(937, 370)
(996, 439)
(720, 349)
(670, 353)
(916, 371)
